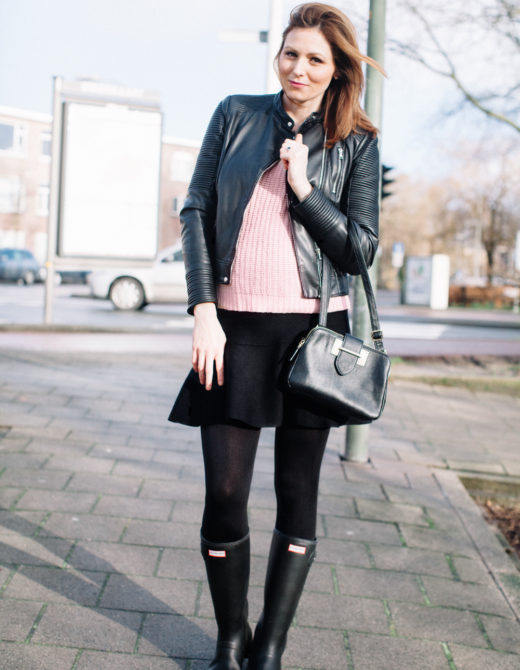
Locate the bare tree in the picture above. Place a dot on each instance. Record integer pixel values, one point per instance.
(476, 45)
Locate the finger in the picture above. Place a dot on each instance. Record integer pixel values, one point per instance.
(299, 138)
(209, 373)
(219, 363)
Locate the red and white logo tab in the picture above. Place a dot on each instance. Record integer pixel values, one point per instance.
(216, 553)
(297, 549)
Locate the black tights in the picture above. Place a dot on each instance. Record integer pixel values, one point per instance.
(229, 456)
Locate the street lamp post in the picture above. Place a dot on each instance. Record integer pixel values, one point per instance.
(356, 447)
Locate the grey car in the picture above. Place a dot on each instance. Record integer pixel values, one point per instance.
(21, 266)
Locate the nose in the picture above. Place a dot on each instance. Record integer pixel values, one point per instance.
(299, 67)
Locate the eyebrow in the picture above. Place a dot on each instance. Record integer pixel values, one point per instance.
(311, 53)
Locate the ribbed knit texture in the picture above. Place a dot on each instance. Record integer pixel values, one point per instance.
(264, 276)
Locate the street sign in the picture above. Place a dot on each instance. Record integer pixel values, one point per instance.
(397, 254)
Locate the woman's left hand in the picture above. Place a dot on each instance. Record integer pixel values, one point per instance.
(294, 155)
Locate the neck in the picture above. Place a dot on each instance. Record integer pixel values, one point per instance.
(298, 111)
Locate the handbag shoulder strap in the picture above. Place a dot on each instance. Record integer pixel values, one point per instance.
(376, 333)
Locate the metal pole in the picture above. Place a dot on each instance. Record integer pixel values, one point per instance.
(274, 36)
(52, 225)
(356, 447)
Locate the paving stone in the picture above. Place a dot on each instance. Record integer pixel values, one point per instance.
(343, 612)
(178, 490)
(66, 448)
(476, 466)
(471, 570)
(391, 653)
(436, 623)
(94, 660)
(361, 472)
(438, 540)
(163, 534)
(191, 512)
(38, 479)
(16, 549)
(148, 469)
(93, 628)
(122, 453)
(385, 511)
(108, 484)
(182, 564)
(504, 634)
(404, 559)
(469, 658)
(17, 618)
(466, 596)
(135, 508)
(381, 584)
(341, 507)
(178, 636)
(60, 501)
(79, 464)
(8, 496)
(361, 531)
(431, 499)
(262, 519)
(342, 553)
(55, 585)
(35, 657)
(317, 649)
(151, 594)
(111, 557)
(18, 461)
(83, 527)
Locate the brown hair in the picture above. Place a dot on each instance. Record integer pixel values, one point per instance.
(342, 112)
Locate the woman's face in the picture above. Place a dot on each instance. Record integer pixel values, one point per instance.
(305, 66)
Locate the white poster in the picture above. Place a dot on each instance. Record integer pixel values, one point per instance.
(418, 280)
(109, 205)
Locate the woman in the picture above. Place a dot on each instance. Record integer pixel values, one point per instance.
(277, 180)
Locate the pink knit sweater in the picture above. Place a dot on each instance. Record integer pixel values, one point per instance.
(264, 276)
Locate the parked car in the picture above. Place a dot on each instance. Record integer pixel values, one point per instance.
(21, 266)
(133, 288)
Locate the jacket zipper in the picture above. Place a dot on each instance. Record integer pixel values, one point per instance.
(341, 153)
(319, 261)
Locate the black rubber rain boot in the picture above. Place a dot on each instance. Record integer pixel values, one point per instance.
(227, 567)
(289, 561)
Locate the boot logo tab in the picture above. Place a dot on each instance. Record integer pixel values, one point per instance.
(214, 553)
(296, 549)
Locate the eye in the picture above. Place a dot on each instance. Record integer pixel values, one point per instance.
(290, 54)
(315, 59)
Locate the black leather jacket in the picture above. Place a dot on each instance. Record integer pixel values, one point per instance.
(243, 139)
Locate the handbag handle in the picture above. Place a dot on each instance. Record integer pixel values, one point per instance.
(377, 333)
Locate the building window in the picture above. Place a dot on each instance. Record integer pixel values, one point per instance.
(177, 205)
(181, 166)
(42, 200)
(12, 195)
(12, 137)
(45, 139)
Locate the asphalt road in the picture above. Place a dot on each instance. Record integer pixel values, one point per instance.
(407, 331)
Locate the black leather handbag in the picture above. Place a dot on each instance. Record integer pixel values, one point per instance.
(345, 379)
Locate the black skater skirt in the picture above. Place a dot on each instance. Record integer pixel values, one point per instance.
(257, 348)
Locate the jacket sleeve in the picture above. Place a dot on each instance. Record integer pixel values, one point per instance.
(198, 215)
(328, 224)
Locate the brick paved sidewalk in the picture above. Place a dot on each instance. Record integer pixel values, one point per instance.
(99, 524)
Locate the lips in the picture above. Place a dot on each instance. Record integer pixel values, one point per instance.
(297, 83)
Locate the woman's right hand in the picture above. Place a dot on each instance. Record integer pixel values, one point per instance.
(208, 345)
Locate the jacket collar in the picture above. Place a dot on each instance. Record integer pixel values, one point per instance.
(286, 120)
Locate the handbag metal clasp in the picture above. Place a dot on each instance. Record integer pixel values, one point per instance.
(361, 357)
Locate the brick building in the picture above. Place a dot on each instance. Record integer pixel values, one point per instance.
(25, 153)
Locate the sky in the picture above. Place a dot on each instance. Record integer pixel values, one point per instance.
(173, 47)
